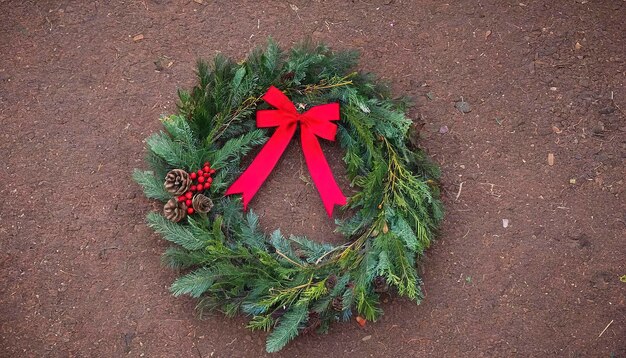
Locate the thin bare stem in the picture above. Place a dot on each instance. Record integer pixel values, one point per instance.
(288, 259)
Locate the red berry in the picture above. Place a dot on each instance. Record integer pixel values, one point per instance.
(212, 171)
(206, 168)
(200, 187)
(200, 179)
(200, 172)
(209, 180)
(188, 202)
(188, 195)
(207, 164)
(181, 198)
(189, 211)
(206, 174)
(193, 188)
(193, 176)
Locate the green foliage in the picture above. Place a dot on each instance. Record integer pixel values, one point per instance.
(179, 258)
(264, 322)
(167, 149)
(194, 284)
(367, 304)
(230, 263)
(152, 186)
(287, 328)
(236, 148)
(283, 248)
(313, 251)
(175, 233)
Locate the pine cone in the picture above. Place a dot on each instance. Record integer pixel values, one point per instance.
(331, 281)
(174, 210)
(287, 76)
(312, 323)
(177, 182)
(380, 284)
(278, 313)
(337, 304)
(201, 203)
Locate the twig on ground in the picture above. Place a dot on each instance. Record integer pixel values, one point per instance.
(459, 193)
(491, 190)
(605, 328)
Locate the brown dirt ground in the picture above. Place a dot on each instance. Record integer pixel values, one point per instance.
(80, 272)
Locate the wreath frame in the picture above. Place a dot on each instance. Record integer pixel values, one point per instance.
(293, 285)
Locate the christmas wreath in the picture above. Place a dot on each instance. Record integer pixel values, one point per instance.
(290, 285)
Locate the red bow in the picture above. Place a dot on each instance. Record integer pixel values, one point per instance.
(314, 122)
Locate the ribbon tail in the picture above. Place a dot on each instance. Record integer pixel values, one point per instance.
(251, 180)
(320, 172)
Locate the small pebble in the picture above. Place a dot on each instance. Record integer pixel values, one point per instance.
(463, 107)
(607, 110)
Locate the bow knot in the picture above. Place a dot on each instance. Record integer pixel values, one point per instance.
(316, 122)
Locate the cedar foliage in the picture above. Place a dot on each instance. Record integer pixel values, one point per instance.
(227, 262)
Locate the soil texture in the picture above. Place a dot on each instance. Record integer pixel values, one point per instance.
(521, 103)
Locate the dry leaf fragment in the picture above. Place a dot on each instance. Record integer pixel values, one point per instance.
(550, 159)
(578, 46)
(138, 37)
(361, 321)
(487, 34)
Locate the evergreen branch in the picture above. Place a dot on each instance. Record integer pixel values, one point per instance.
(248, 103)
(194, 284)
(178, 258)
(236, 148)
(287, 328)
(288, 259)
(315, 291)
(367, 305)
(164, 147)
(314, 251)
(271, 57)
(283, 248)
(174, 232)
(336, 82)
(261, 323)
(152, 187)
